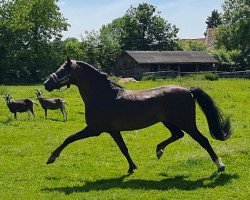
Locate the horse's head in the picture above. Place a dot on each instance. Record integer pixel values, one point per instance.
(61, 77)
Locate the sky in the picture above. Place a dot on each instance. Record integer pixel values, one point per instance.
(188, 15)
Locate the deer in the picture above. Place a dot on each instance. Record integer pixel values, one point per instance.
(19, 105)
(51, 104)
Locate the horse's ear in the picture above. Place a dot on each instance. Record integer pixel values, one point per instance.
(68, 59)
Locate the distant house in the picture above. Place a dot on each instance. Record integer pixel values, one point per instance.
(208, 40)
(136, 63)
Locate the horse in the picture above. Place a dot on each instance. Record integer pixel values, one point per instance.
(111, 108)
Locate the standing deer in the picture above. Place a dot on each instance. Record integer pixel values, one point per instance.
(51, 104)
(20, 105)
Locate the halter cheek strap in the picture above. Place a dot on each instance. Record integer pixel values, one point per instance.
(60, 81)
(54, 77)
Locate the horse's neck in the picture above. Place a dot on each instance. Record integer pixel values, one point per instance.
(83, 95)
(94, 86)
(96, 92)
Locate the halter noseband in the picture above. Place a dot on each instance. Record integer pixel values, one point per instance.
(60, 81)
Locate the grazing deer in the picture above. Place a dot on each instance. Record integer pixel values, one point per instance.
(52, 104)
(20, 105)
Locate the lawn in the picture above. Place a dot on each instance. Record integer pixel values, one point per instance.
(96, 169)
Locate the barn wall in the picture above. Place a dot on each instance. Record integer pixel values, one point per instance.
(126, 66)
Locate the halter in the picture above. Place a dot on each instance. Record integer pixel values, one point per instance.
(60, 81)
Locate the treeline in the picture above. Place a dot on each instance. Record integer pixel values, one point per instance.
(232, 35)
(30, 32)
(31, 44)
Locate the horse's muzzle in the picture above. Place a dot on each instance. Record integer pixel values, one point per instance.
(50, 85)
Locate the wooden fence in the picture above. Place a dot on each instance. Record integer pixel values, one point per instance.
(236, 74)
(172, 74)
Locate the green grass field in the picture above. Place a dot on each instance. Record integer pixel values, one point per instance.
(96, 169)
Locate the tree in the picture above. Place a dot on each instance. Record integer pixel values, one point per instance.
(139, 29)
(74, 48)
(110, 45)
(91, 45)
(27, 29)
(234, 33)
(214, 20)
(145, 30)
(228, 60)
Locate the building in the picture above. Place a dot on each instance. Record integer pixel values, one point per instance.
(136, 63)
(209, 39)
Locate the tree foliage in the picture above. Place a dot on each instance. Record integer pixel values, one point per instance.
(26, 31)
(31, 44)
(144, 29)
(110, 46)
(234, 33)
(228, 60)
(141, 28)
(214, 20)
(192, 45)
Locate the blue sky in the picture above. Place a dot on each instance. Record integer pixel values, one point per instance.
(188, 15)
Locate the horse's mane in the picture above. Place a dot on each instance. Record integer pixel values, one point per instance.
(100, 76)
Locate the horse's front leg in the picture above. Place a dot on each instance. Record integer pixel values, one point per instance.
(85, 133)
(122, 146)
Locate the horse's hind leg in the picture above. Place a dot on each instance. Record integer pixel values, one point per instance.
(122, 146)
(176, 134)
(203, 141)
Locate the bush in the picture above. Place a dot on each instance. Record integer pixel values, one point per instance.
(211, 76)
(149, 78)
(228, 60)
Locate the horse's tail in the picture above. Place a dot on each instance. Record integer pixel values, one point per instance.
(219, 126)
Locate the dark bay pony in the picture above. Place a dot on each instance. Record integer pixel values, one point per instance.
(111, 108)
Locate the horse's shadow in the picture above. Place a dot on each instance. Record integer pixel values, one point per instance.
(178, 182)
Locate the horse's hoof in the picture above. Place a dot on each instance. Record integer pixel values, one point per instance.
(159, 153)
(131, 169)
(221, 169)
(51, 160)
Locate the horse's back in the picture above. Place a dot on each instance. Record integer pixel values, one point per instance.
(155, 93)
(139, 109)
